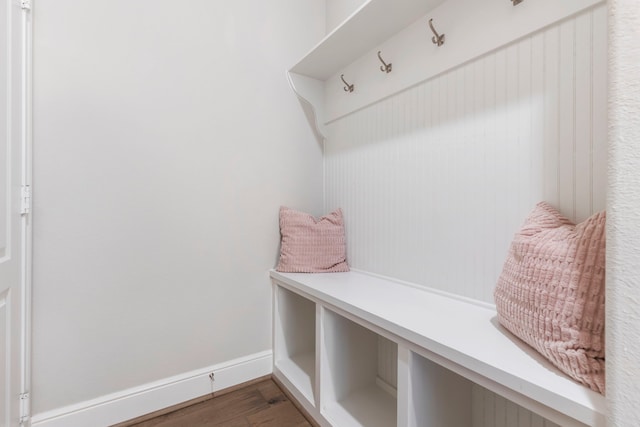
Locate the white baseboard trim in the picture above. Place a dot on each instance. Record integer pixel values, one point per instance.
(135, 402)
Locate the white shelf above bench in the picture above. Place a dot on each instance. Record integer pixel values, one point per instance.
(374, 22)
(459, 335)
(399, 28)
(371, 24)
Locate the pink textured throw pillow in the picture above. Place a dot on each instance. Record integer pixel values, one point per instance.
(551, 292)
(311, 245)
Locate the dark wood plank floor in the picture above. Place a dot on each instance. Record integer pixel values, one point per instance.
(262, 404)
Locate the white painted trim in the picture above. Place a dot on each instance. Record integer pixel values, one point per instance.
(135, 402)
(26, 219)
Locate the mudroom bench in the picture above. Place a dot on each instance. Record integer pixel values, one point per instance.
(356, 349)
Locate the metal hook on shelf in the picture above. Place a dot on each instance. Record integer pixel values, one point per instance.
(385, 68)
(348, 87)
(438, 39)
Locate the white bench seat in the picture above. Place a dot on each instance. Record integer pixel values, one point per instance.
(458, 334)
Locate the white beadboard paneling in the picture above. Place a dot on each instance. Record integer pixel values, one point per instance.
(415, 58)
(599, 61)
(551, 135)
(489, 413)
(435, 180)
(477, 405)
(583, 170)
(500, 412)
(492, 410)
(566, 114)
(511, 413)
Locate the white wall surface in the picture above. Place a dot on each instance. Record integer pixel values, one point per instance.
(166, 137)
(623, 217)
(339, 10)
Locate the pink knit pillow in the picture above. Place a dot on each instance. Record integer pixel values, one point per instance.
(551, 292)
(311, 245)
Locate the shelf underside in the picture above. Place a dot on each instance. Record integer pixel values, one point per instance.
(369, 26)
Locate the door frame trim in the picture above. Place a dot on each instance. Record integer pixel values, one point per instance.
(26, 218)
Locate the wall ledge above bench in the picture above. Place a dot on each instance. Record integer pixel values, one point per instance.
(460, 335)
(399, 28)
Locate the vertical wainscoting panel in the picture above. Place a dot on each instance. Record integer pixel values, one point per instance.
(492, 410)
(435, 180)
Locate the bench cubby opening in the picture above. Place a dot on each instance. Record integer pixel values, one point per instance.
(295, 340)
(366, 336)
(436, 396)
(354, 391)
